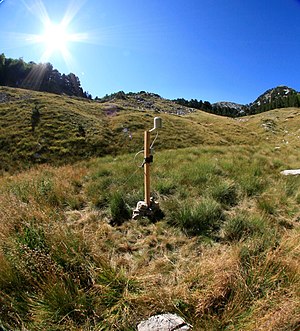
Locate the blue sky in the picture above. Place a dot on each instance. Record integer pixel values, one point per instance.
(215, 50)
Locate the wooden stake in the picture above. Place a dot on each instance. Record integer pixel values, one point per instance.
(147, 167)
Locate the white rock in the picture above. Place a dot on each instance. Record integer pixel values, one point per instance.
(290, 172)
(164, 322)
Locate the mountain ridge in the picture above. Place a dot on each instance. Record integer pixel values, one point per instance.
(43, 77)
(281, 96)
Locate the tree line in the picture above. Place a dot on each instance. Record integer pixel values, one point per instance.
(194, 103)
(39, 77)
(210, 108)
(281, 100)
(290, 100)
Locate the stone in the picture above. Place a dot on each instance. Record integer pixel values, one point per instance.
(164, 322)
(142, 210)
(293, 172)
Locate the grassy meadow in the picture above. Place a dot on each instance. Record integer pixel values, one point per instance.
(39, 128)
(225, 256)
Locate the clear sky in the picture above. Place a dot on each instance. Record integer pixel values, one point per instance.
(215, 50)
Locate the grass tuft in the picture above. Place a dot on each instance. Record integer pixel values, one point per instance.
(204, 218)
(244, 226)
(119, 210)
(226, 193)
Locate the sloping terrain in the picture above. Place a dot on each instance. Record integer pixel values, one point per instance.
(225, 256)
(40, 127)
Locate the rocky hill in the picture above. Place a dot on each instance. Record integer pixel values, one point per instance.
(232, 109)
(278, 97)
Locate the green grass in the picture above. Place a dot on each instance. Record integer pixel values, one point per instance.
(243, 226)
(203, 218)
(224, 257)
(71, 258)
(119, 210)
(71, 129)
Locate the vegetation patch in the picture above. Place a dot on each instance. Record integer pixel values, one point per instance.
(203, 218)
(224, 257)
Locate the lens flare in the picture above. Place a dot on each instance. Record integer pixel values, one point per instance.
(55, 37)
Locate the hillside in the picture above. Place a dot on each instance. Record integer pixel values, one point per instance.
(278, 97)
(39, 127)
(43, 77)
(225, 256)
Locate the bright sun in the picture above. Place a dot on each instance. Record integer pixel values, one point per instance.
(55, 38)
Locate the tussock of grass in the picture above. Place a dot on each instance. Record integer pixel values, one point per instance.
(242, 226)
(204, 218)
(226, 193)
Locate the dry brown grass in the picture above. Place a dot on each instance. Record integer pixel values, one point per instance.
(64, 266)
(280, 309)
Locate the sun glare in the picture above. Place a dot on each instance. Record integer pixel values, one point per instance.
(55, 37)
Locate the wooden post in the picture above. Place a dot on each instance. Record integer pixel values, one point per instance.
(147, 167)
